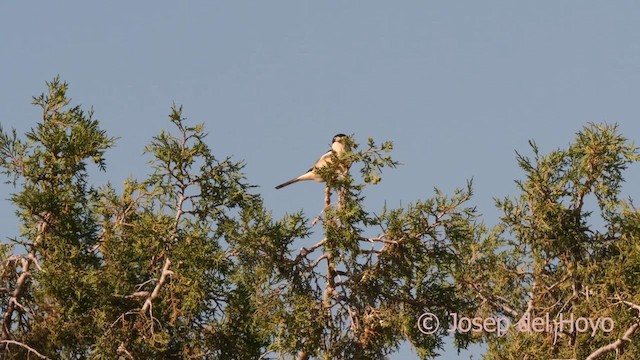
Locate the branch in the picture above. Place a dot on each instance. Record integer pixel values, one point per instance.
(331, 275)
(41, 229)
(495, 304)
(138, 295)
(17, 292)
(156, 291)
(123, 350)
(317, 218)
(304, 251)
(617, 345)
(318, 260)
(621, 343)
(32, 256)
(29, 348)
(380, 238)
(330, 284)
(327, 197)
(530, 302)
(632, 305)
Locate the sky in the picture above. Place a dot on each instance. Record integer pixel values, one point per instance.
(458, 86)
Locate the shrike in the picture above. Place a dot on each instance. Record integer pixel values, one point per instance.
(338, 147)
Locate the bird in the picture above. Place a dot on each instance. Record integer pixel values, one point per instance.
(338, 146)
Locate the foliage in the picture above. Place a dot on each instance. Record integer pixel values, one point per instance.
(188, 263)
(563, 262)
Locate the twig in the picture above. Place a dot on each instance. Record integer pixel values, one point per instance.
(495, 304)
(632, 305)
(140, 286)
(315, 263)
(29, 348)
(381, 238)
(123, 350)
(317, 218)
(306, 251)
(530, 304)
(138, 295)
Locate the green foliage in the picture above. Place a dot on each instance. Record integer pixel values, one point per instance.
(58, 224)
(356, 296)
(187, 263)
(561, 261)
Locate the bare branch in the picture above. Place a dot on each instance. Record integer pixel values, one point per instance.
(318, 260)
(632, 305)
(139, 295)
(621, 343)
(156, 291)
(327, 198)
(32, 256)
(494, 303)
(317, 218)
(123, 350)
(617, 345)
(25, 346)
(306, 251)
(17, 292)
(380, 238)
(140, 286)
(41, 229)
(530, 304)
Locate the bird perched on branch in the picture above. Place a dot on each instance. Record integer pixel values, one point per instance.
(338, 146)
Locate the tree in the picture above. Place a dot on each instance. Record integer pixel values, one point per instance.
(52, 295)
(569, 255)
(140, 274)
(187, 263)
(358, 296)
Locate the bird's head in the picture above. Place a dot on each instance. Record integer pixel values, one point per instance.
(339, 143)
(338, 138)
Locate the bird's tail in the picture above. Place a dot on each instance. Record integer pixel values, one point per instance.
(288, 183)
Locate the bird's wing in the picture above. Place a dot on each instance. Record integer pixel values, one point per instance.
(323, 161)
(311, 174)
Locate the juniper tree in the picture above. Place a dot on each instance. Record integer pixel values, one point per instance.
(137, 274)
(188, 263)
(164, 253)
(54, 285)
(568, 251)
(359, 289)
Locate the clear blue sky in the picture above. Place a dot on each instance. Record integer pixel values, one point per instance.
(458, 86)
